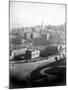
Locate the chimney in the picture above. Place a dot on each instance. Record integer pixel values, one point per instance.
(48, 35)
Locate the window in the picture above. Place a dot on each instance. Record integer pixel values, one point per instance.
(33, 54)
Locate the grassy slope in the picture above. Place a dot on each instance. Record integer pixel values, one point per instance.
(23, 70)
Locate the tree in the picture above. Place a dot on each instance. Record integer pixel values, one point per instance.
(16, 41)
(31, 36)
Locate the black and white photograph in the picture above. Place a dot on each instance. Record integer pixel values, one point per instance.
(37, 44)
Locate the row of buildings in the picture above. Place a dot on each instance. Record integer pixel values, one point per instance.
(26, 53)
(33, 52)
(33, 32)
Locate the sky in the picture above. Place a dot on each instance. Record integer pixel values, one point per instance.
(30, 14)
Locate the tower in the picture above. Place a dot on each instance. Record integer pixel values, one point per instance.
(48, 35)
(42, 27)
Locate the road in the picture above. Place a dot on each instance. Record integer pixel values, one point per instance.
(51, 74)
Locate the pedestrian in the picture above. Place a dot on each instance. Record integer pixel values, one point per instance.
(56, 58)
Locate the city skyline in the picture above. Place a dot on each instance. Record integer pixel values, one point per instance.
(31, 14)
